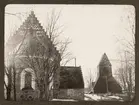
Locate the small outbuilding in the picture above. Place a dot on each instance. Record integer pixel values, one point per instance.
(71, 83)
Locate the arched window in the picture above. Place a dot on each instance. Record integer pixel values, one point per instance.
(27, 79)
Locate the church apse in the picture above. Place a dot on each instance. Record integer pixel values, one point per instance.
(106, 82)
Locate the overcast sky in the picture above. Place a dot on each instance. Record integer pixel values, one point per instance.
(92, 28)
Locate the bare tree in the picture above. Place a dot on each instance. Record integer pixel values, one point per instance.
(10, 70)
(126, 73)
(43, 55)
(55, 31)
(41, 58)
(90, 80)
(128, 44)
(126, 76)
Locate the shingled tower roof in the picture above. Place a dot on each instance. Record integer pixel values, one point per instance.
(104, 60)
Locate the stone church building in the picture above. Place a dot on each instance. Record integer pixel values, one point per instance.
(31, 53)
(28, 52)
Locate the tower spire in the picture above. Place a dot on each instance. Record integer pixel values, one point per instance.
(104, 60)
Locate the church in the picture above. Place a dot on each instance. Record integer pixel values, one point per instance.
(35, 65)
(30, 51)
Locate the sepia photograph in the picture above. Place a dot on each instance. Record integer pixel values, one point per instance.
(69, 52)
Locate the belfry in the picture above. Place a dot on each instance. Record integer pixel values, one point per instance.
(105, 81)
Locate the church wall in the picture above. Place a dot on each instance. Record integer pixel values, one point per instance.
(27, 95)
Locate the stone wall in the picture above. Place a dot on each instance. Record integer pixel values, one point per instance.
(77, 94)
(27, 95)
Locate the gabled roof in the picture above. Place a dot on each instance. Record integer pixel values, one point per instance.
(71, 77)
(104, 60)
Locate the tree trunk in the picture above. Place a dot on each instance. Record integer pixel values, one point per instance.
(9, 85)
(8, 93)
(47, 93)
(123, 79)
(130, 79)
(46, 87)
(14, 83)
(129, 92)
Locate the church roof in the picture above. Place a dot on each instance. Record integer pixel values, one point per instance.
(104, 60)
(71, 77)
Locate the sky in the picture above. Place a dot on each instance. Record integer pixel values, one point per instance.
(93, 29)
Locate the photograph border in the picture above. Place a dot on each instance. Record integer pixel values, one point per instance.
(135, 3)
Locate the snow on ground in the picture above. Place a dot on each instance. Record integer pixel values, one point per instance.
(63, 100)
(94, 97)
(116, 97)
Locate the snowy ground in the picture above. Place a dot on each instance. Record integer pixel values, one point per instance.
(94, 97)
(63, 100)
(98, 97)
